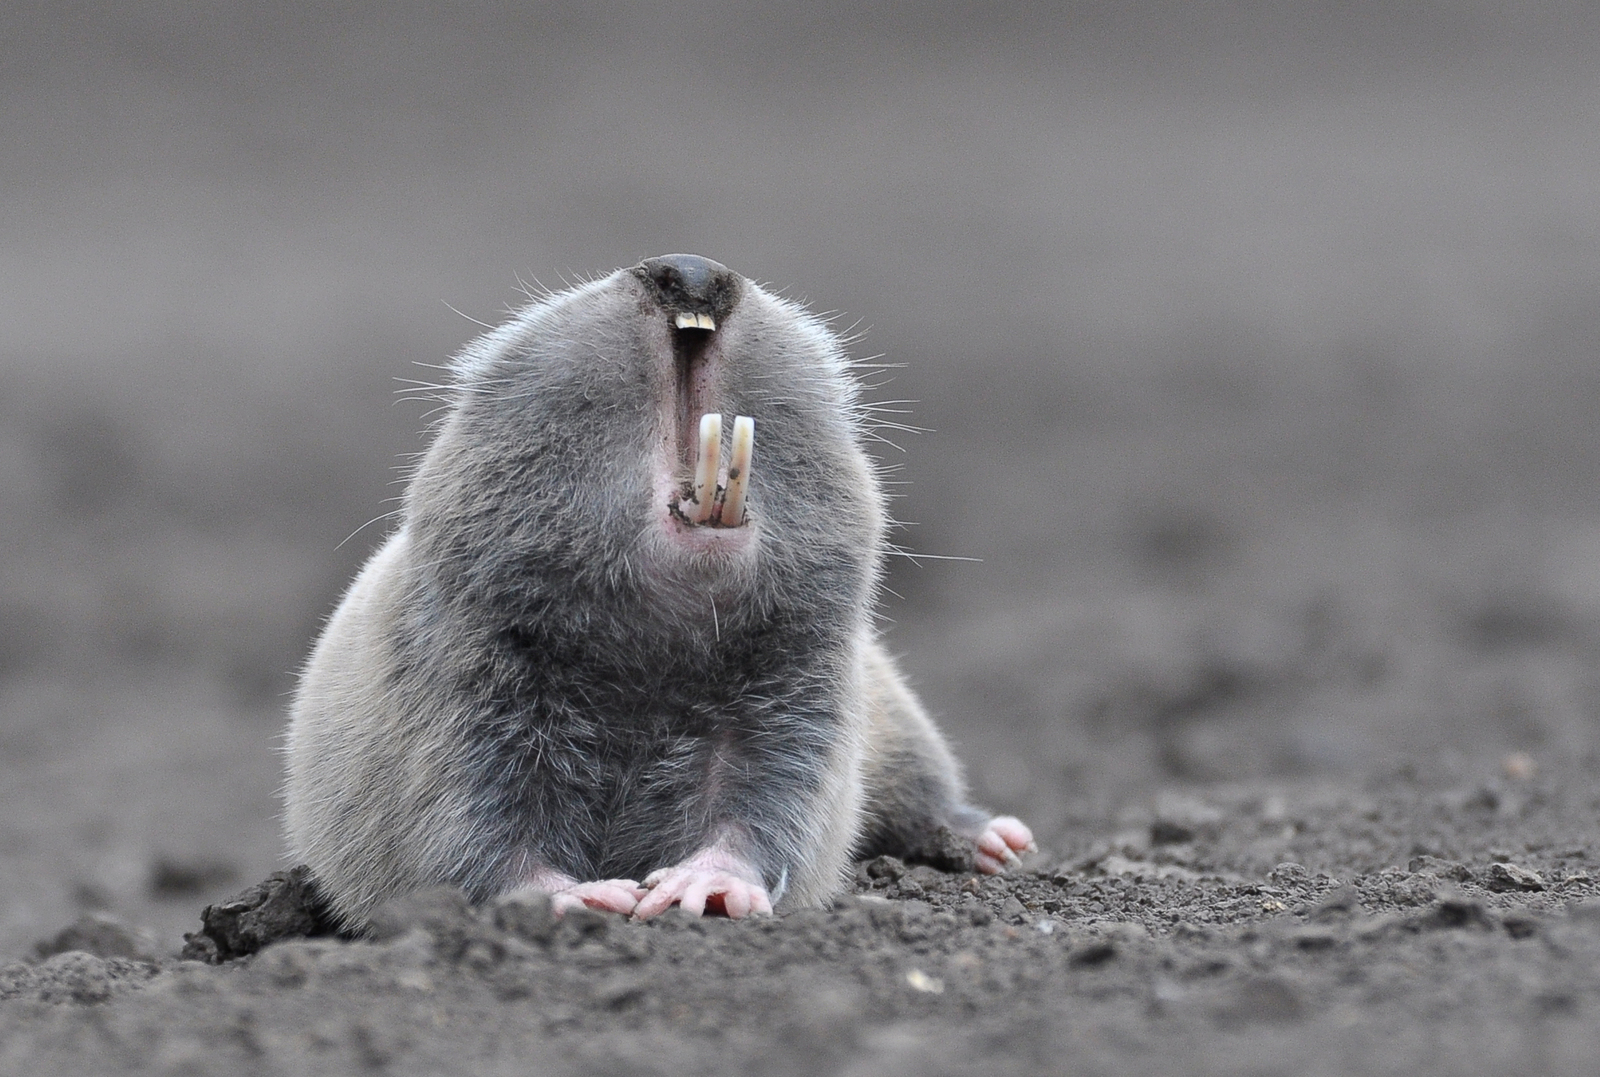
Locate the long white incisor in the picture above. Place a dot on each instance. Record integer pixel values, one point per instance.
(705, 469)
(744, 443)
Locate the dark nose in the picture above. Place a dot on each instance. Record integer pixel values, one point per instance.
(690, 284)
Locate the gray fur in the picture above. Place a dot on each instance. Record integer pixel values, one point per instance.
(527, 674)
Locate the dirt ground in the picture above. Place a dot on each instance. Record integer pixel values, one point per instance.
(1411, 923)
(1261, 356)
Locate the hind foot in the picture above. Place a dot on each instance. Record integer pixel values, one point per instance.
(1002, 840)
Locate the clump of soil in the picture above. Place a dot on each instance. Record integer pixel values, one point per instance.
(285, 905)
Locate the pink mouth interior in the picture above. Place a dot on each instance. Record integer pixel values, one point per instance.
(722, 496)
(692, 361)
(693, 358)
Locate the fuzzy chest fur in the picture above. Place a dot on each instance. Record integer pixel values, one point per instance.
(605, 769)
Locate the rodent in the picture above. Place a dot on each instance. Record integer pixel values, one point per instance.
(565, 671)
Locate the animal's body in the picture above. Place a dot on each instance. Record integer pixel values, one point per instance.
(571, 667)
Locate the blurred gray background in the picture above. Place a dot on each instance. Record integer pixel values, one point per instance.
(1258, 343)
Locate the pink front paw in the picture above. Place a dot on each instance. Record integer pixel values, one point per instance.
(607, 895)
(697, 889)
(1001, 841)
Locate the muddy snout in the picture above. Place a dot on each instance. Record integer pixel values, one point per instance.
(696, 293)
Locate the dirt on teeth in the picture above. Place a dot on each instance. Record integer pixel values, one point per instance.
(718, 498)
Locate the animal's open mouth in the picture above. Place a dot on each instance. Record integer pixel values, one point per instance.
(706, 496)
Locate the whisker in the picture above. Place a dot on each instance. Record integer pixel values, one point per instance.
(386, 516)
(900, 551)
(468, 317)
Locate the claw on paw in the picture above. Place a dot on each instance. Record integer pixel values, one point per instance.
(1001, 843)
(607, 895)
(697, 890)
